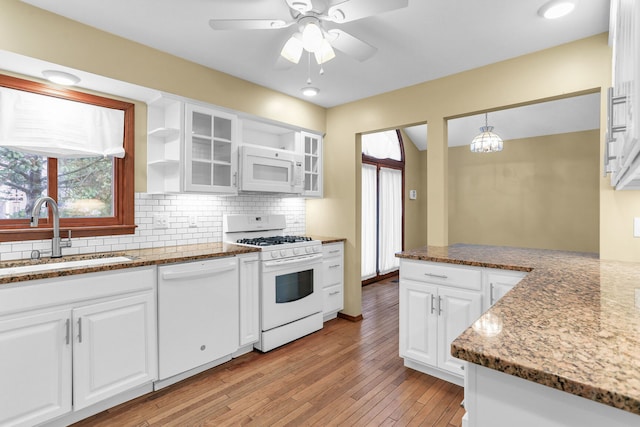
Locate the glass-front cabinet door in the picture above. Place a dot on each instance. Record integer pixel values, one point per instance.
(210, 147)
(311, 145)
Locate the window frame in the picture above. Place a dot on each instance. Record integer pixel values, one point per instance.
(123, 220)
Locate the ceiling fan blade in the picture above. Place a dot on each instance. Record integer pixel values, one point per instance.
(248, 24)
(351, 45)
(351, 10)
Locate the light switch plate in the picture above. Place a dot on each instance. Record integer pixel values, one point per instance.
(636, 227)
(413, 194)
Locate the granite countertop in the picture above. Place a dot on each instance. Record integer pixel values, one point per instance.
(139, 257)
(573, 323)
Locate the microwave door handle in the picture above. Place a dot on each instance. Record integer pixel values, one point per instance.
(292, 261)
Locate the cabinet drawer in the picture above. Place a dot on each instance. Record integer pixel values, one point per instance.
(442, 274)
(332, 250)
(333, 299)
(333, 272)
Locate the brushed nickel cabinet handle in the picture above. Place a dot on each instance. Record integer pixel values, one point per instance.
(67, 326)
(439, 306)
(432, 298)
(80, 330)
(439, 276)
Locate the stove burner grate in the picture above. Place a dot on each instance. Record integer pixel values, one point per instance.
(274, 240)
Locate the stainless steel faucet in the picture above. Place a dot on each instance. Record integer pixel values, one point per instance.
(56, 244)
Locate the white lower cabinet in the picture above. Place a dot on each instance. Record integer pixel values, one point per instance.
(437, 303)
(112, 344)
(35, 367)
(431, 317)
(499, 282)
(68, 343)
(249, 287)
(332, 279)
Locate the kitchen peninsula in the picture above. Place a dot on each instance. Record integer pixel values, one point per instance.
(570, 328)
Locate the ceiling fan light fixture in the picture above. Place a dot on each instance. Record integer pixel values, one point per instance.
(312, 37)
(310, 91)
(292, 50)
(486, 141)
(60, 77)
(555, 9)
(325, 53)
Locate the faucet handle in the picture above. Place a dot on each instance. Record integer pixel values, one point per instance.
(67, 242)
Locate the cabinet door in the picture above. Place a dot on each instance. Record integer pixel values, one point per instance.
(210, 150)
(114, 348)
(500, 284)
(312, 150)
(35, 368)
(418, 322)
(458, 309)
(249, 287)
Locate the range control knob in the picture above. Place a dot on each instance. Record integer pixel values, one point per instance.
(283, 253)
(274, 254)
(296, 251)
(316, 249)
(309, 249)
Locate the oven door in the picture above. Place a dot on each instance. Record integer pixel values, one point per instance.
(291, 290)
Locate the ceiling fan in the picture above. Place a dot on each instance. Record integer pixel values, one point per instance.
(313, 20)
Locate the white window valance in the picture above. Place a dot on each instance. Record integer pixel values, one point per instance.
(54, 127)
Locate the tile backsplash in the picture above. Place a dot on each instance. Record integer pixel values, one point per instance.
(182, 211)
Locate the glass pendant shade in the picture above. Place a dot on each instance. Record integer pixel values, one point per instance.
(312, 37)
(325, 53)
(292, 50)
(486, 141)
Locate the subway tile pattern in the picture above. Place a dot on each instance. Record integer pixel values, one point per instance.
(181, 211)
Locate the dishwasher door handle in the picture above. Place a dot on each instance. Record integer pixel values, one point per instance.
(183, 275)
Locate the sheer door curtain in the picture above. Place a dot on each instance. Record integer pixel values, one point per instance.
(381, 220)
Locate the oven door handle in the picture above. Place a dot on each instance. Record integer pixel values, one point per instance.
(296, 260)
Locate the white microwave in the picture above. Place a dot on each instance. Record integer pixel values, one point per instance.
(271, 170)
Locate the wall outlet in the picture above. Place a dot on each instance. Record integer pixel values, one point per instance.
(636, 227)
(161, 220)
(193, 221)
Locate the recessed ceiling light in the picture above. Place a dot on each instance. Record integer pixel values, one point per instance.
(556, 8)
(310, 91)
(60, 77)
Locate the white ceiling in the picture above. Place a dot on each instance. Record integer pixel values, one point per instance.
(424, 41)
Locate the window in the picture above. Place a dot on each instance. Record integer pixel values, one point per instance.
(382, 204)
(94, 194)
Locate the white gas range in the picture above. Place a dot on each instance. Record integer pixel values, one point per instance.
(290, 277)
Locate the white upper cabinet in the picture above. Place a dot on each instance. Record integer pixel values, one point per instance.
(311, 147)
(193, 147)
(210, 150)
(623, 121)
(190, 148)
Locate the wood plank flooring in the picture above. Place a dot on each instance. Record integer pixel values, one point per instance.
(347, 374)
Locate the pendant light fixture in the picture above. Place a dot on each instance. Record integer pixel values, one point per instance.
(486, 141)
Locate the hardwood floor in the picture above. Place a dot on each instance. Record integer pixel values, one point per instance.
(347, 374)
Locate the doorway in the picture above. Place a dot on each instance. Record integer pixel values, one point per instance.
(382, 204)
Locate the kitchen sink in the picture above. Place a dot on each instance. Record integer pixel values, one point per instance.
(59, 265)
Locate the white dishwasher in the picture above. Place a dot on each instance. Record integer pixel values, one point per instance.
(198, 318)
